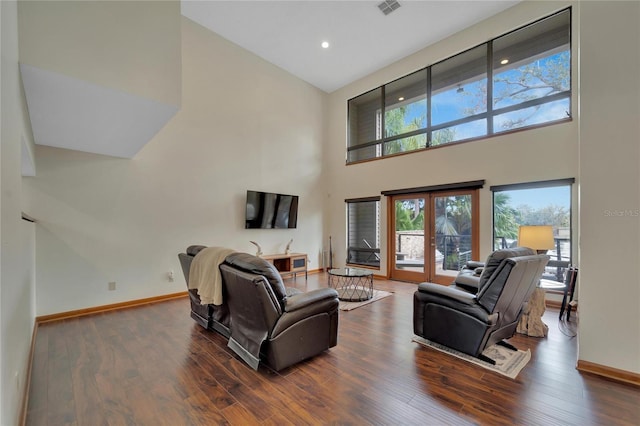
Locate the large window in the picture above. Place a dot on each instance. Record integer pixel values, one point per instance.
(519, 80)
(536, 203)
(363, 231)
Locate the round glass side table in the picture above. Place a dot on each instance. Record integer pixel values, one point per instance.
(352, 284)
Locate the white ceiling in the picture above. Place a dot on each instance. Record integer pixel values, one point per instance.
(73, 114)
(362, 39)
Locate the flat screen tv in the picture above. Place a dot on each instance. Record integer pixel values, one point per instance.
(266, 210)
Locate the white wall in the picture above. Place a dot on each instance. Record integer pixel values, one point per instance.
(244, 124)
(17, 251)
(610, 184)
(533, 155)
(599, 148)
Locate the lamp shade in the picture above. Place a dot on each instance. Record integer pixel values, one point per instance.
(536, 237)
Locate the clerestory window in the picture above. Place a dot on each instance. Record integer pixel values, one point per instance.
(519, 80)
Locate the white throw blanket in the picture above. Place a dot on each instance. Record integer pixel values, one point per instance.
(205, 276)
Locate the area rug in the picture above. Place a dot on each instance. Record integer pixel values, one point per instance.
(508, 362)
(377, 295)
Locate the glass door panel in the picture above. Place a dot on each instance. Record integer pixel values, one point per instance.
(452, 232)
(408, 261)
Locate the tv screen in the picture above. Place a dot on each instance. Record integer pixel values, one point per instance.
(266, 210)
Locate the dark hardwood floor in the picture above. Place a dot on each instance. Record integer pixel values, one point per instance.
(152, 365)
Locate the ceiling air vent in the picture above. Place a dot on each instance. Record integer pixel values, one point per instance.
(388, 6)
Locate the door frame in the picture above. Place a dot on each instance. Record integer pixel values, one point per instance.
(429, 268)
(392, 272)
(475, 230)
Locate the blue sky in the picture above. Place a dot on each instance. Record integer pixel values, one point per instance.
(451, 104)
(540, 197)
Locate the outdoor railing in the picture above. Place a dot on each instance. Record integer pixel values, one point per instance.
(363, 256)
(559, 260)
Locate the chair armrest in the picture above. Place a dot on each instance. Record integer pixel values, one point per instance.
(301, 300)
(456, 299)
(468, 281)
(473, 264)
(448, 292)
(323, 301)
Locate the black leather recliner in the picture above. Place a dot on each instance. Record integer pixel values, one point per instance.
(468, 277)
(211, 317)
(470, 322)
(265, 321)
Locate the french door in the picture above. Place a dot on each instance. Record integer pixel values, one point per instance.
(432, 234)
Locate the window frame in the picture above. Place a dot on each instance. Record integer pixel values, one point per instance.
(488, 115)
(568, 182)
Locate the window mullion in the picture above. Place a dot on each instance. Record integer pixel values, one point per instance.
(463, 120)
(533, 102)
(382, 117)
(428, 107)
(403, 135)
(490, 87)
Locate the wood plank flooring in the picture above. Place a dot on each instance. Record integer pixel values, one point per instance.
(153, 365)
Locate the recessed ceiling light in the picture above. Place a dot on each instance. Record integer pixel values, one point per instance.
(401, 98)
(504, 61)
(325, 44)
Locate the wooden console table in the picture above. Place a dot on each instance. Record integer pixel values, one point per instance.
(288, 264)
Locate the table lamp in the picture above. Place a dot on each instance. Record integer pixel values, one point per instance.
(536, 237)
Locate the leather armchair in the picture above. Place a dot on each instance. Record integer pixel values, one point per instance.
(266, 321)
(469, 276)
(470, 322)
(211, 317)
(271, 323)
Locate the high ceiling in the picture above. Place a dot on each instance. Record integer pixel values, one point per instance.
(362, 39)
(81, 109)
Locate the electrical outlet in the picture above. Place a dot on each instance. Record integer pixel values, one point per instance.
(112, 285)
(170, 276)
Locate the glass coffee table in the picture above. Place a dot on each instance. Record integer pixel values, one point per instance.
(352, 284)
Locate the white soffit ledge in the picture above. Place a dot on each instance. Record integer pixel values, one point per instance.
(74, 114)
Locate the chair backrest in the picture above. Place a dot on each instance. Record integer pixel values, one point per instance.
(187, 258)
(258, 266)
(511, 284)
(254, 311)
(495, 259)
(250, 298)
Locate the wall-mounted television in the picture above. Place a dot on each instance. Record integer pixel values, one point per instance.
(267, 210)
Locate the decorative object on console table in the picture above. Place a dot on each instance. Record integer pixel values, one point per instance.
(288, 249)
(259, 251)
(288, 264)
